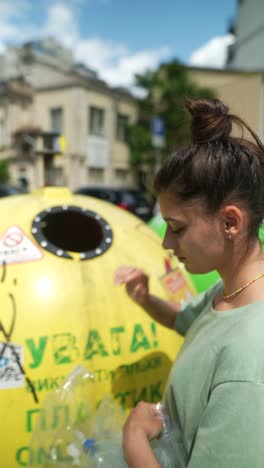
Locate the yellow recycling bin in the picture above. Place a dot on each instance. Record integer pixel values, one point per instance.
(59, 309)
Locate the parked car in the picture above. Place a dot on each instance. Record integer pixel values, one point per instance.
(7, 190)
(133, 200)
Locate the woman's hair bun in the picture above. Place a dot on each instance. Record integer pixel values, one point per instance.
(210, 120)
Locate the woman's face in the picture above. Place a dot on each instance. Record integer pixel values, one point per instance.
(196, 238)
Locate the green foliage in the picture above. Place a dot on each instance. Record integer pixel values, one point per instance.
(4, 174)
(139, 138)
(166, 91)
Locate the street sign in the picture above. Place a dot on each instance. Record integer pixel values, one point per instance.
(158, 131)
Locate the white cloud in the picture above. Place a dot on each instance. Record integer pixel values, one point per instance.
(2, 48)
(10, 12)
(13, 9)
(98, 53)
(8, 31)
(61, 23)
(213, 53)
(114, 62)
(127, 66)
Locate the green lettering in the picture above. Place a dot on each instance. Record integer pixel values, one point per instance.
(43, 456)
(43, 385)
(46, 384)
(29, 417)
(63, 458)
(57, 419)
(64, 347)
(24, 456)
(102, 374)
(157, 362)
(153, 329)
(143, 395)
(112, 374)
(34, 383)
(115, 339)
(83, 413)
(155, 392)
(123, 398)
(94, 345)
(139, 339)
(54, 382)
(37, 351)
(97, 374)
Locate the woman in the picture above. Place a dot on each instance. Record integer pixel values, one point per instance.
(211, 195)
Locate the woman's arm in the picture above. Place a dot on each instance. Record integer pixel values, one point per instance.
(136, 282)
(143, 424)
(163, 312)
(139, 454)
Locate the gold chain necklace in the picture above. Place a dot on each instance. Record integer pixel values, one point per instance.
(235, 293)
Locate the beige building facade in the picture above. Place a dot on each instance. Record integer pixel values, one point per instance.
(16, 113)
(93, 124)
(62, 125)
(241, 91)
(76, 122)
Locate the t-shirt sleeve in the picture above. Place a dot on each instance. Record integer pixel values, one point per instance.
(231, 430)
(193, 308)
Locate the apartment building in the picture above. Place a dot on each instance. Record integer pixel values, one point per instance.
(75, 121)
(246, 52)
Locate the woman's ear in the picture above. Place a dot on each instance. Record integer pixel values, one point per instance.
(233, 219)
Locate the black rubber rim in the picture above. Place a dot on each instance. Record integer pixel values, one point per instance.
(59, 252)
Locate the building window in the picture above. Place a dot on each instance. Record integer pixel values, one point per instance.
(96, 176)
(97, 121)
(2, 132)
(56, 119)
(121, 176)
(121, 127)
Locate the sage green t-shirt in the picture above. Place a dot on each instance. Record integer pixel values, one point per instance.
(215, 391)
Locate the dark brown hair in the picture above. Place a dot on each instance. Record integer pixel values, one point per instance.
(217, 167)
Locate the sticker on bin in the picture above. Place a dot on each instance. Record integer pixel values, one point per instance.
(177, 286)
(10, 371)
(17, 247)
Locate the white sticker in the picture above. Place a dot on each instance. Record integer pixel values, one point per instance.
(17, 247)
(11, 375)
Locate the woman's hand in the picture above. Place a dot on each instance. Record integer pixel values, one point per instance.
(143, 424)
(136, 282)
(144, 418)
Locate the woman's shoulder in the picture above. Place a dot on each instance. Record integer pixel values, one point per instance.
(209, 294)
(241, 355)
(207, 297)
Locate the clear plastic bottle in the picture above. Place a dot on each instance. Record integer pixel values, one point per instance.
(169, 448)
(105, 453)
(65, 416)
(72, 432)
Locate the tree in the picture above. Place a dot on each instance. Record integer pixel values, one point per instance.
(4, 174)
(165, 92)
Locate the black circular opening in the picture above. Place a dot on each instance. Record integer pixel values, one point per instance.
(65, 229)
(72, 231)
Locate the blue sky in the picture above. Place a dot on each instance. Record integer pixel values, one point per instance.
(121, 37)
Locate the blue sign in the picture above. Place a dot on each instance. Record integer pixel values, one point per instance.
(158, 131)
(157, 126)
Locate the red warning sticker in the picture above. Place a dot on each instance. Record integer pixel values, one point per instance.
(17, 247)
